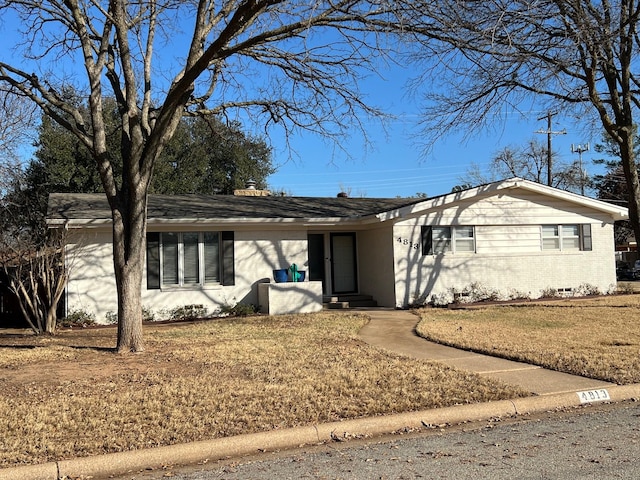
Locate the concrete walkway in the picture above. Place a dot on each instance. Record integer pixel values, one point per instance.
(394, 330)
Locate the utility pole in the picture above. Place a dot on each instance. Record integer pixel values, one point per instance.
(549, 132)
(579, 149)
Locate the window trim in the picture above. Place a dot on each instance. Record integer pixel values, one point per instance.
(428, 239)
(585, 239)
(154, 261)
(182, 275)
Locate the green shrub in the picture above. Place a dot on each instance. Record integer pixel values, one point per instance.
(442, 299)
(239, 310)
(148, 315)
(549, 293)
(111, 318)
(622, 288)
(78, 318)
(514, 294)
(188, 312)
(587, 290)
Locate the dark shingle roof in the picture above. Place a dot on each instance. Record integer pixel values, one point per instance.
(77, 206)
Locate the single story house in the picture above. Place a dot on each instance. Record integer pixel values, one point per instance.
(515, 238)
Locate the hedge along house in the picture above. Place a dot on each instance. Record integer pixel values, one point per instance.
(515, 237)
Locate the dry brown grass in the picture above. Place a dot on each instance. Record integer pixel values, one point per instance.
(597, 338)
(71, 395)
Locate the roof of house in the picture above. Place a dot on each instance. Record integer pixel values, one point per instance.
(616, 212)
(78, 207)
(87, 209)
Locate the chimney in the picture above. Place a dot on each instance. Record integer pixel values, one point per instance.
(250, 191)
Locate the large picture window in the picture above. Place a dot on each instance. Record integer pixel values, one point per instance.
(566, 237)
(189, 258)
(438, 239)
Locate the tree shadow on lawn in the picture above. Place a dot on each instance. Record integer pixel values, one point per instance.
(76, 347)
(76, 339)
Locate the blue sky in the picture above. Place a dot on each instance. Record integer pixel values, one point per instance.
(395, 163)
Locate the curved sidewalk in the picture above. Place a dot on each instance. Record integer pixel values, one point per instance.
(394, 330)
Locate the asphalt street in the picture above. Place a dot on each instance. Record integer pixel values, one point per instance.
(597, 441)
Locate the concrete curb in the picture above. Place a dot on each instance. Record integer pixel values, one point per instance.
(211, 450)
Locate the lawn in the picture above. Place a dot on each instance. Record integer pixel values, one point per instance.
(71, 395)
(597, 337)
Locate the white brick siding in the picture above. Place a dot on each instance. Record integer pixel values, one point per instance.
(509, 258)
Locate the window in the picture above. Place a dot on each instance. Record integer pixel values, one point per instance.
(169, 255)
(190, 258)
(437, 239)
(441, 239)
(566, 237)
(211, 257)
(464, 239)
(551, 237)
(181, 258)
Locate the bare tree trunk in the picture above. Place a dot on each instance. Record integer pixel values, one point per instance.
(631, 176)
(26, 305)
(129, 231)
(51, 320)
(129, 310)
(54, 292)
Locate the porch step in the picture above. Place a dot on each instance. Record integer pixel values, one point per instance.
(348, 301)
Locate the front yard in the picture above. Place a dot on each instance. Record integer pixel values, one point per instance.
(70, 395)
(597, 337)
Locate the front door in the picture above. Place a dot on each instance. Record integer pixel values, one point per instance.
(343, 263)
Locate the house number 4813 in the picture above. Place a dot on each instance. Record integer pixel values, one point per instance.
(407, 242)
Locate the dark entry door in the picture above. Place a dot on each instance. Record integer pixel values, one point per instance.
(343, 263)
(316, 258)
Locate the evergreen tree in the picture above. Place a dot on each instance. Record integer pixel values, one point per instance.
(208, 156)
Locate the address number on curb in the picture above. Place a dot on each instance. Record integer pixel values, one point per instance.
(589, 396)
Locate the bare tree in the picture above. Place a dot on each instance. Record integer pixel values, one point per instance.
(528, 162)
(37, 276)
(16, 123)
(567, 55)
(289, 62)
